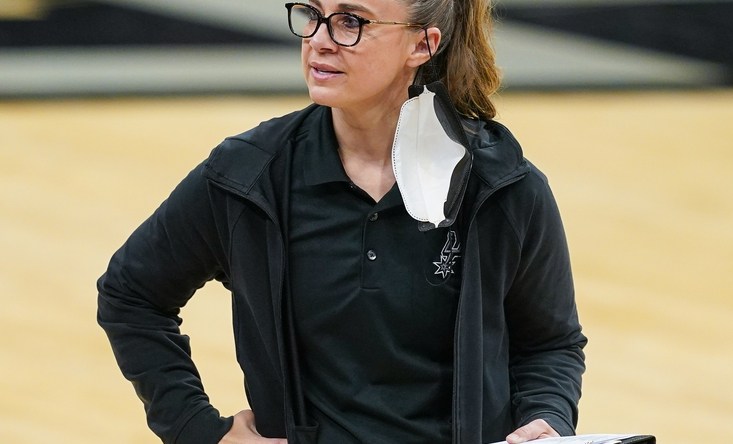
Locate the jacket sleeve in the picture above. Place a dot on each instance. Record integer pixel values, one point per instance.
(546, 343)
(165, 260)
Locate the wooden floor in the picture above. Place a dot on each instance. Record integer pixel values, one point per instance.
(644, 181)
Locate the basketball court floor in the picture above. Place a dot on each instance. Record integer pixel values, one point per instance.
(643, 180)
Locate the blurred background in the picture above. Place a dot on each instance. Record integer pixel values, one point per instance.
(625, 104)
(67, 47)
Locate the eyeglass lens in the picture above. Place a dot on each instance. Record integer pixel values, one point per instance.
(343, 28)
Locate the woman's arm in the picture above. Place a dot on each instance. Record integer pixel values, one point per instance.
(148, 280)
(546, 343)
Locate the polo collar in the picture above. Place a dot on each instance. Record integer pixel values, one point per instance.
(321, 161)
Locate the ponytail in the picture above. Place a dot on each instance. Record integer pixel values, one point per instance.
(465, 60)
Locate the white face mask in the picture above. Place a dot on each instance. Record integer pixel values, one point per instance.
(430, 157)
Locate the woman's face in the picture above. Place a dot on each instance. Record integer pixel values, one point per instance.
(375, 72)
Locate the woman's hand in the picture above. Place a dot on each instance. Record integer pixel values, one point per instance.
(243, 431)
(536, 429)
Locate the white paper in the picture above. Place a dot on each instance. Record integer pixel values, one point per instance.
(580, 439)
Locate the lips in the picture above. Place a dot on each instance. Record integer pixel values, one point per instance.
(325, 68)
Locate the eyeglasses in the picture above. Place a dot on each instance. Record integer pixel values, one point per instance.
(343, 27)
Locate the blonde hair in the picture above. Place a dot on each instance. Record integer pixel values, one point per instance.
(465, 60)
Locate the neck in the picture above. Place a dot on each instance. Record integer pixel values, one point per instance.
(365, 145)
(366, 128)
(367, 135)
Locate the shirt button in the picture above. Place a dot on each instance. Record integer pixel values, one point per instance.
(371, 255)
(373, 217)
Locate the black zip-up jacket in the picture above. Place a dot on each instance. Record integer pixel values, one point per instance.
(518, 343)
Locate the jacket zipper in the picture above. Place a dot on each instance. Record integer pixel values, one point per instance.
(457, 363)
(280, 332)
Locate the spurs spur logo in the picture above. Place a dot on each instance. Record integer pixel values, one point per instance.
(448, 256)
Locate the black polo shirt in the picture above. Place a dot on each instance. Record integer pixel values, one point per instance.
(374, 302)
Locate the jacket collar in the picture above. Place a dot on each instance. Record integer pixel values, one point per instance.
(497, 156)
(239, 162)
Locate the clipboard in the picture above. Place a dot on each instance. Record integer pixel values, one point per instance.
(597, 439)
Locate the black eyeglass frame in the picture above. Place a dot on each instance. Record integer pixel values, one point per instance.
(327, 20)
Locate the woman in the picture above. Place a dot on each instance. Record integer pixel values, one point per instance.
(351, 324)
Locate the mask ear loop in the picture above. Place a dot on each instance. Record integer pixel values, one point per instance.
(430, 63)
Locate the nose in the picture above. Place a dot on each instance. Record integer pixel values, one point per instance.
(322, 40)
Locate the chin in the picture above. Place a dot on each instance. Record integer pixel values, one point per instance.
(325, 96)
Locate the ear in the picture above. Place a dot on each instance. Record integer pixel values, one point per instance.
(420, 53)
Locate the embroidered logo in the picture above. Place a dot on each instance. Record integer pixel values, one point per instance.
(448, 256)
